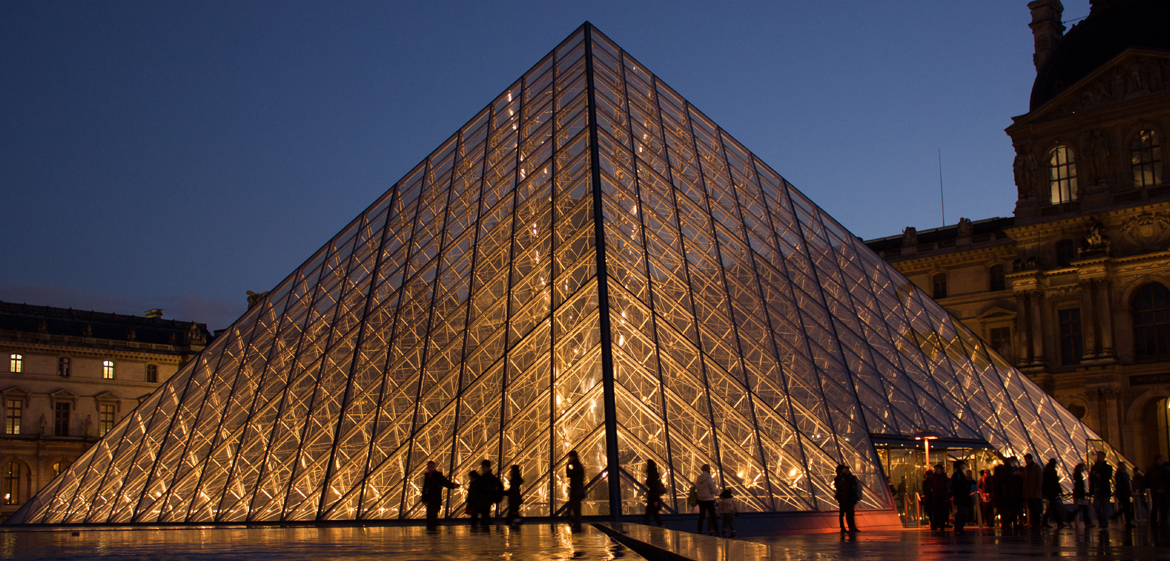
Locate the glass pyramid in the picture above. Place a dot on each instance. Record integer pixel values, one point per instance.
(590, 263)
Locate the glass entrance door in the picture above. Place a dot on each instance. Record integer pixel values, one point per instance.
(906, 466)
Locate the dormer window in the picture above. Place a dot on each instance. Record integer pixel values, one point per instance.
(1062, 175)
(1146, 159)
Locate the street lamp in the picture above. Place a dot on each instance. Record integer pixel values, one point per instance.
(926, 436)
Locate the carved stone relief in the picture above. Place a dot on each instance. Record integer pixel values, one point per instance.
(1137, 77)
(1148, 230)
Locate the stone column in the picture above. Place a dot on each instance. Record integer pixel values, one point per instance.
(1105, 312)
(1113, 410)
(1022, 348)
(1093, 409)
(1088, 320)
(1037, 327)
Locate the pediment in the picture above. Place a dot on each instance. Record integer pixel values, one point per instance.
(62, 395)
(14, 391)
(995, 312)
(1133, 74)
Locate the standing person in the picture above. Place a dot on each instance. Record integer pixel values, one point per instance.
(576, 474)
(848, 493)
(961, 493)
(474, 490)
(515, 484)
(926, 506)
(706, 490)
(1080, 497)
(491, 492)
(1000, 478)
(1101, 488)
(1158, 479)
(838, 489)
(1051, 491)
(432, 493)
(1033, 490)
(1016, 493)
(654, 492)
(985, 497)
(940, 510)
(727, 511)
(1140, 496)
(1124, 492)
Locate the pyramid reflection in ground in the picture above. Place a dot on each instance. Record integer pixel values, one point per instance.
(592, 264)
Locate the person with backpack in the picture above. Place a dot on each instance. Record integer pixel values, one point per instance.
(474, 490)
(940, 494)
(432, 493)
(728, 510)
(1033, 495)
(489, 493)
(654, 492)
(1081, 497)
(1124, 495)
(847, 492)
(576, 475)
(706, 490)
(1101, 488)
(1158, 481)
(515, 483)
(961, 494)
(1050, 488)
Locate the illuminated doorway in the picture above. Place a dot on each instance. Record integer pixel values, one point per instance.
(905, 463)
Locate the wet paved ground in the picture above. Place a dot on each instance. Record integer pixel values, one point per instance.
(981, 544)
(536, 542)
(542, 541)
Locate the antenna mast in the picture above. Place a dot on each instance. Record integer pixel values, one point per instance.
(941, 200)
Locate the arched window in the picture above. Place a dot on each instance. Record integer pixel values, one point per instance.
(998, 280)
(11, 490)
(1062, 175)
(1146, 159)
(1151, 321)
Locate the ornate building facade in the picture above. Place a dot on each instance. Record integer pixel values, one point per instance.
(1075, 288)
(68, 377)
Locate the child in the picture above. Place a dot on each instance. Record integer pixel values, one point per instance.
(727, 508)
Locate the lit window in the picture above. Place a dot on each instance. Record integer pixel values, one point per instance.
(1151, 321)
(105, 419)
(61, 418)
(108, 369)
(151, 372)
(940, 285)
(998, 281)
(56, 467)
(63, 366)
(1066, 253)
(1146, 159)
(1070, 336)
(12, 484)
(1062, 175)
(13, 410)
(15, 363)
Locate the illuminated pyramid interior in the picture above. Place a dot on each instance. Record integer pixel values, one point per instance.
(589, 263)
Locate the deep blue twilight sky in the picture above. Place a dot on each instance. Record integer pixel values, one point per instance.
(175, 155)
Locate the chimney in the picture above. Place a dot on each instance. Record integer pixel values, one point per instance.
(1046, 28)
(154, 314)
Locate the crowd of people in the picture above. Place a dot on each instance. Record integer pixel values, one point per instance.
(1014, 495)
(1030, 495)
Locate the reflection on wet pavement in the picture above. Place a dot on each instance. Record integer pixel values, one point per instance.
(447, 543)
(895, 545)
